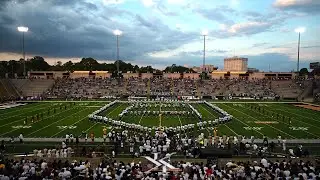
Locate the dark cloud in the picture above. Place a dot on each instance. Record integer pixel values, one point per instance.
(76, 29)
(307, 47)
(200, 52)
(259, 44)
(218, 14)
(145, 23)
(305, 6)
(163, 9)
(253, 14)
(278, 62)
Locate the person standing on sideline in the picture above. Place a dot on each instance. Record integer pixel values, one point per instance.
(21, 138)
(67, 138)
(71, 138)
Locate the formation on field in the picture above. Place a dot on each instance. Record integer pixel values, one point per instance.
(54, 119)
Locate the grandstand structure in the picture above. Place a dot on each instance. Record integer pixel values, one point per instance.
(99, 84)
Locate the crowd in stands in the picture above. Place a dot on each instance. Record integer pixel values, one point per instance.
(97, 88)
(58, 169)
(159, 145)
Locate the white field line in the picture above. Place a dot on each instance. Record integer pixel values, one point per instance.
(295, 120)
(252, 102)
(107, 114)
(107, 101)
(245, 123)
(32, 123)
(75, 122)
(5, 114)
(289, 125)
(55, 122)
(23, 119)
(179, 120)
(69, 125)
(142, 116)
(265, 124)
(25, 113)
(299, 115)
(209, 113)
(232, 130)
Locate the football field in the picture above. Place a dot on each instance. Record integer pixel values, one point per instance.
(57, 118)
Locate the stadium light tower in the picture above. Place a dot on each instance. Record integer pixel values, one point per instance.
(299, 30)
(23, 29)
(204, 33)
(117, 33)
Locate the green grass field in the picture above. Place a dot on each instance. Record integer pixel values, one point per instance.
(55, 120)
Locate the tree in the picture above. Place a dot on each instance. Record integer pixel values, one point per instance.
(88, 64)
(68, 66)
(37, 63)
(303, 72)
(146, 69)
(174, 68)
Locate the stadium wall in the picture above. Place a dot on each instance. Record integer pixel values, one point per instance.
(172, 75)
(213, 75)
(191, 75)
(130, 75)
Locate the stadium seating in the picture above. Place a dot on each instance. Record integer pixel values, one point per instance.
(8, 91)
(96, 88)
(32, 87)
(288, 88)
(99, 88)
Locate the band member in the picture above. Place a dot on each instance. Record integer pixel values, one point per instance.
(104, 134)
(92, 136)
(215, 132)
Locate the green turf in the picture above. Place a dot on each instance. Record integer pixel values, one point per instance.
(304, 123)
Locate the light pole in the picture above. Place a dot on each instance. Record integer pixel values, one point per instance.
(117, 33)
(23, 29)
(204, 33)
(299, 31)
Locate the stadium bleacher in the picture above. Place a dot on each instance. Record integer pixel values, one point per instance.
(32, 87)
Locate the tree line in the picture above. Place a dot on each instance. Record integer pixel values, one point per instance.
(38, 63)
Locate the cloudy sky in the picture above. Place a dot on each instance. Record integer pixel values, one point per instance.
(163, 32)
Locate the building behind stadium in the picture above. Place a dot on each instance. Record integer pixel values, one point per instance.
(234, 68)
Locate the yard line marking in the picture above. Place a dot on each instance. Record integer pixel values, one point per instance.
(208, 112)
(91, 127)
(232, 130)
(32, 123)
(243, 122)
(142, 116)
(21, 109)
(305, 112)
(25, 112)
(180, 122)
(107, 114)
(293, 119)
(69, 125)
(264, 124)
(22, 120)
(299, 115)
(56, 122)
(74, 122)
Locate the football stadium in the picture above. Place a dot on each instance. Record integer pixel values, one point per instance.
(159, 90)
(55, 119)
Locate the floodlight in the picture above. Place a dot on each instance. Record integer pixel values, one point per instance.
(23, 29)
(117, 32)
(204, 32)
(300, 30)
